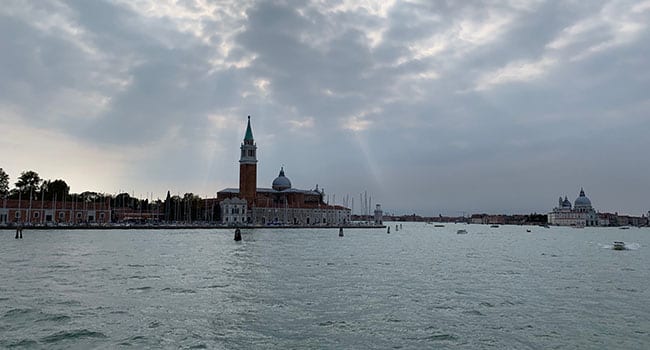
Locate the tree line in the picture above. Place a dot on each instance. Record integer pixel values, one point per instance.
(29, 184)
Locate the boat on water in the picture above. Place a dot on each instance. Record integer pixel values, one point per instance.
(528, 230)
(461, 232)
(438, 225)
(494, 226)
(618, 245)
(624, 228)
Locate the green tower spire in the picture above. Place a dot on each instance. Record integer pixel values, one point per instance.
(249, 132)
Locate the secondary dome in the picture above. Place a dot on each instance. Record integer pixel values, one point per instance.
(582, 201)
(281, 182)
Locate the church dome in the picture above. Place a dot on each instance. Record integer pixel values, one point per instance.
(582, 201)
(281, 182)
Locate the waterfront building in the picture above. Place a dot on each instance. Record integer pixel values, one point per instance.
(580, 215)
(39, 212)
(281, 204)
(234, 211)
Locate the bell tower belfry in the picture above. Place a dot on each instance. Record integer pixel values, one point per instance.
(248, 167)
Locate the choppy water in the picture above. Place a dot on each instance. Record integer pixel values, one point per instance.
(421, 287)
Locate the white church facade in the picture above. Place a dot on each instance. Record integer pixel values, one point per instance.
(582, 214)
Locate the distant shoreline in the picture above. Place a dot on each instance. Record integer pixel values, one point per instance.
(183, 227)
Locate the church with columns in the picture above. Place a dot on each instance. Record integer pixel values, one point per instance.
(281, 204)
(582, 214)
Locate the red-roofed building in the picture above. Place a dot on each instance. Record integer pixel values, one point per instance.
(279, 204)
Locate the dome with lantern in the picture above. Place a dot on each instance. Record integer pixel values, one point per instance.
(281, 182)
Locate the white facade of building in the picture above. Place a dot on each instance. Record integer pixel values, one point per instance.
(234, 211)
(580, 215)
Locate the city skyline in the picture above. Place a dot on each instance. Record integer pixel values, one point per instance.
(430, 108)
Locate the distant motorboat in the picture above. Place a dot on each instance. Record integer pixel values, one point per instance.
(624, 228)
(619, 245)
(461, 232)
(528, 230)
(546, 226)
(494, 226)
(438, 225)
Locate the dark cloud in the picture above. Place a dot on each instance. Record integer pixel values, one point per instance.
(434, 107)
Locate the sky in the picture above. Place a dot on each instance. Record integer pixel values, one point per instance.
(429, 107)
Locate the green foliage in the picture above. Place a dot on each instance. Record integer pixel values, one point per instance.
(4, 183)
(89, 196)
(58, 189)
(28, 182)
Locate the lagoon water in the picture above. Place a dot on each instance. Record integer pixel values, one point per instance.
(419, 288)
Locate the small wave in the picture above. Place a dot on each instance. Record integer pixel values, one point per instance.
(118, 312)
(441, 337)
(18, 312)
(179, 290)
(144, 277)
(74, 334)
(473, 313)
(23, 343)
(333, 324)
(437, 337)
(54, 318)
(138, 337)
(140, 288)
(59, 266)
(218, 286)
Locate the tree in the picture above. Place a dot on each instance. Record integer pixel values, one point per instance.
(89, 196)
(122, 200)
(4, 183)
(28, 182)
(168, 207)
(56, 188)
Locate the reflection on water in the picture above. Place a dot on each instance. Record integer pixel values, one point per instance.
(421, 287)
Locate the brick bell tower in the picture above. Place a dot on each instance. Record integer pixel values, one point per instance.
(248, 167)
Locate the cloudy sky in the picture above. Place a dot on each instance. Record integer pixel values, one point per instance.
(429, 106)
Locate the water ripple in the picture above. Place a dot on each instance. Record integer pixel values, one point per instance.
(71, 335)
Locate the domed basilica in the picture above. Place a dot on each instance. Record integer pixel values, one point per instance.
(580, 215)
(281, 204)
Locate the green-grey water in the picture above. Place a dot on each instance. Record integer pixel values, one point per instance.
(420, 287)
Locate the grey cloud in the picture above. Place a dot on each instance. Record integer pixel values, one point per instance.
(433, 143)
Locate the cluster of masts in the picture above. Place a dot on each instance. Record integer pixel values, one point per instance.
(365, 208)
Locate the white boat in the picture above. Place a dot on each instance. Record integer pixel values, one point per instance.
(461, 232)
(619, 245)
